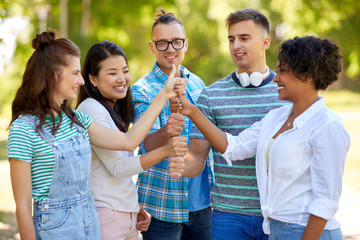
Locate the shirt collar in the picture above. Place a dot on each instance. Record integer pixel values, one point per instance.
(310, 112)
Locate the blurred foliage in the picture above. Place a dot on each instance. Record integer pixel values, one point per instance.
(128, 23)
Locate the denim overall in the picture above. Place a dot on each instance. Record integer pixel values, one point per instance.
(69, 211)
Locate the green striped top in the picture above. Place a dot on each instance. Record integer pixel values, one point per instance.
(25, 144)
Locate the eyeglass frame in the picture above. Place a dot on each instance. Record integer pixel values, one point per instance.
(170, 42)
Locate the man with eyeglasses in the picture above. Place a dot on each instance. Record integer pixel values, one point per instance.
(180, 208)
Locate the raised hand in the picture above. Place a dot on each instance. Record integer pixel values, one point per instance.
(177, 146)
(175, 105)
(170, 83)
(177, 163)
(176, 167)
(174, 125)
(180, 86)
(181, 104)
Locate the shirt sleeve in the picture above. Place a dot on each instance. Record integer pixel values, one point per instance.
(20, 144)
(142, 99)
(203, 105)
(115, 163)
(243, 145)
(330, 145)
(84, 118)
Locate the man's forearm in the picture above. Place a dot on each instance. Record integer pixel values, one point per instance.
(155, 140)
(193, 166)
(195, 158)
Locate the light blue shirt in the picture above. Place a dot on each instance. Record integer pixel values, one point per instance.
(165, 198)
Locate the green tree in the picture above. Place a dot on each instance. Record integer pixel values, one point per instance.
(128, 23)
(333, 19)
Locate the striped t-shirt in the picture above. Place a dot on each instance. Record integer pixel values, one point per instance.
(234, 108)
(27, 145)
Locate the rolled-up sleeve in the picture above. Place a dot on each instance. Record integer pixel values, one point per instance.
(330, 145)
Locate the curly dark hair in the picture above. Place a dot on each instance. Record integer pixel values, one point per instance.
(312, 57)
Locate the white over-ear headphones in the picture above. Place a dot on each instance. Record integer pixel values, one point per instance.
(255, 78)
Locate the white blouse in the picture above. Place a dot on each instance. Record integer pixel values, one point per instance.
(306, 163)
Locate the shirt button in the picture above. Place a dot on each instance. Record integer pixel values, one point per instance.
(46, 206)
(46, 219)
(55, 144)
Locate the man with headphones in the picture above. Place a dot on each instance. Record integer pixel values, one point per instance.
(233, 104)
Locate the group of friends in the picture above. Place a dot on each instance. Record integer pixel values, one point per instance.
(255, 155)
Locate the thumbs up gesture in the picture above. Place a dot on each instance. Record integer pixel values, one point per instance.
(175, 85)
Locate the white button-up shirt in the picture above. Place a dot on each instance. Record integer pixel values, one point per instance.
(306, 163)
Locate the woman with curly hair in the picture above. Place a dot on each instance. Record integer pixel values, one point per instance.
(300, 148)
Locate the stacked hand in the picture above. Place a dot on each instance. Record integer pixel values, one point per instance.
(176, 167)
(174, 125)
(175, 85)
(179, 106)
(177, 144)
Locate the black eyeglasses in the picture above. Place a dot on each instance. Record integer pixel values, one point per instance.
(177, 44)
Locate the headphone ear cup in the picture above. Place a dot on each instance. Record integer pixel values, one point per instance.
(256, 78)
(244, 79)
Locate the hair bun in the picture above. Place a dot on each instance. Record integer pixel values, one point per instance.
(159, 12)
(43, 39)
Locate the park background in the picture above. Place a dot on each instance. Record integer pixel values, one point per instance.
(128, 23)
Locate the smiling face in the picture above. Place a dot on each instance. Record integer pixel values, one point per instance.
(69, 79)
(113, 78)
(290, 87)
(247, 45)
(168, 32)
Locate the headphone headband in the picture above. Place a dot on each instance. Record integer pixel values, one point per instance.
(255, 78)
